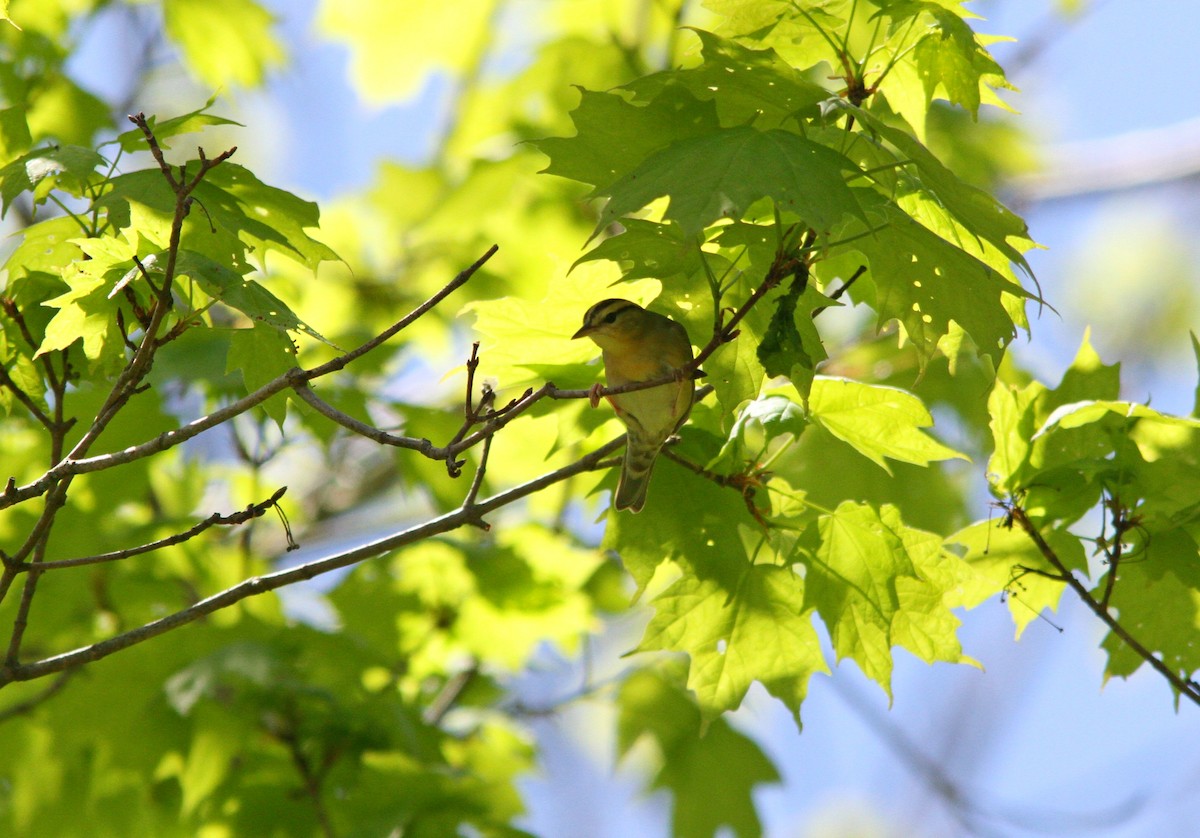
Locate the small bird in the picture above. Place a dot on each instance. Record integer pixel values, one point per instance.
(639, 345)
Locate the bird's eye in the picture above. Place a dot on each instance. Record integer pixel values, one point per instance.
(612, 318)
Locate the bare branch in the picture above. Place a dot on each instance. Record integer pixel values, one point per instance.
(306, 394)
(24, 398)
(139, 119)
(476, 483)
(12, 671)
(449, 694)
(32, 703)
(1185, 687)
(342, 360)
(254, 510)
(13, 494)
(312, 777)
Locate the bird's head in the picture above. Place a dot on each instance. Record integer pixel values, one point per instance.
(611, 322)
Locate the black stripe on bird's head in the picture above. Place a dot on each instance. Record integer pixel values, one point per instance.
(606, 316)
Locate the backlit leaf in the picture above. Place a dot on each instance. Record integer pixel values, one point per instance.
(720, 174)
(224, 42)
(759, 629)
(877, 421)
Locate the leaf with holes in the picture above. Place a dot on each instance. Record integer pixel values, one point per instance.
(926, 283)
(745, 84)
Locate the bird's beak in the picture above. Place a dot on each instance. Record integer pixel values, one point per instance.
(583, 332)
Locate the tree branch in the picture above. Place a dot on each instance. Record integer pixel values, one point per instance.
(23, 397)
(254, 510)
(292, 378)
(1185, 687)
(31, 703)
(12, 671)
(311, 779)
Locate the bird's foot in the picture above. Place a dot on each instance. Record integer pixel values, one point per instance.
(594, 393)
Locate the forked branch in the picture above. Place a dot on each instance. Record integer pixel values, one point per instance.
(1185, 687)
(465, 514)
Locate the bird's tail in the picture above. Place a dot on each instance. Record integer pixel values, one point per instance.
(635, 477)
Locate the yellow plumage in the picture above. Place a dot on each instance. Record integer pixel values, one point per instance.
(640, 345)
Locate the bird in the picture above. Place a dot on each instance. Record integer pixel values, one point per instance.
(640, 345)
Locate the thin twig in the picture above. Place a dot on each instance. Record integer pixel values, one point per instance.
(341, 361)
(33, 702)
(476, 483)
(24, 398)
(311, 779)
(254, 510)
(451, 691)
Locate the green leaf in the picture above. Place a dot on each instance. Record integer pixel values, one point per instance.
(927, 283)
(63, 111)
(647, 249)
(24, 373)
(712, 777)
(1157, 606)
(745, 84)
(792, 345)
(771, 416)
(224, 42)
(393, 47)
(1058, 445)
(758, 630)
(84, 313)
(720, 174)
(734, 370)
(779, 23)
(852, 581)
(165, 129)
(978, 212)
(708, 543)
(1002, 558)
(530, 593)
(67, 167)
(245, 295)
(240, 214)
(1079, 414)
(613, 135)
(877, 421)
(217, 738)
(14, 133)
(951, 60)
(1013, 421)
(262, 353)
(266, 218)
(925, 624)
(1196, 397)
